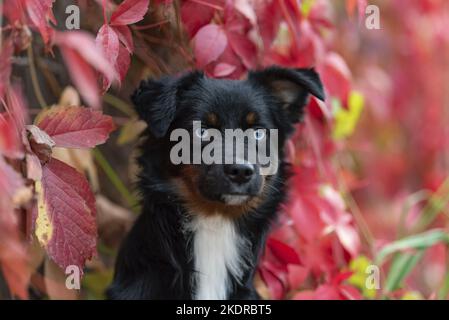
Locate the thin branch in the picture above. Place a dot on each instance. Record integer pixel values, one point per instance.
(119, 104)
(115, 179)
(151, 25)
(34, 79)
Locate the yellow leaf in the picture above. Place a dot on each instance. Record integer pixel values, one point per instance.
(412, 295)
(346, 120)
(131, 131)
(44, 227)
(359, 266)
(306, 6)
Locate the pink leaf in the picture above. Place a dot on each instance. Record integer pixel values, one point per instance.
(39, 11)
(246, 8)
(336, 76)
(223, 70)
(273, 283)
(129, 12)
(346, 233)
(75, 127)
(107, 41)
(84, 44)
(67, 204)
(296, 275)
(195, 15)
(83, 76)
(210, 42)
(244, 48)
(123, 62)
(125, 36)
(10, 142)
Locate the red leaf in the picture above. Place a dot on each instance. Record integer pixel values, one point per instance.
(13, 255)
(246, 8)
(84, 44)
(10, 142)
(228, 57)
(125, 36)
(283, 252)
(39, 11)
(273, 283)
(123, 62)
(336, 76)
(361, 6)
(75, 127)
(16, 106)
(195, 16)
(65, 223)
(223, 70)
(244, 48)
(269, 18)
(210, 42)
(296, 276)
(130, 11)
(107, 41)
(83, 76)
(13, 10)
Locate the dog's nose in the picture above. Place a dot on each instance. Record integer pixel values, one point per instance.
(239, 173)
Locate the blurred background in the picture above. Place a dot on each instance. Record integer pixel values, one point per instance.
(367, 215)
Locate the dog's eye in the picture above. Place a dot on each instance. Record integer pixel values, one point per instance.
(259, 134)
(202, 133)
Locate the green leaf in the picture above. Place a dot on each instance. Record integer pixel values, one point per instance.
(401, 266)
(418, 242)
(306, 6)
(347, 119)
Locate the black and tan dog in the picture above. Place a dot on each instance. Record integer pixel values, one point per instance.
(203, 227)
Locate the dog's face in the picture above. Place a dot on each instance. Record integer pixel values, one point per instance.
(215, 113)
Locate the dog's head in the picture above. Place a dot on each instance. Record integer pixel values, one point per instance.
(194, 117)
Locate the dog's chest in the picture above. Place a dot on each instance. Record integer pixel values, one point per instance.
(219, 255)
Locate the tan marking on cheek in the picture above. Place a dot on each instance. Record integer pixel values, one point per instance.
(196, 204)
(251, 118)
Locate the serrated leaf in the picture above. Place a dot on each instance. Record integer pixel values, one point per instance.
(39, 11)
(65, 223)
(81, 55)
(107, 41)
(125, 36)
(75, 127)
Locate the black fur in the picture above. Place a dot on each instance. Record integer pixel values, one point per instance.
(155, 261)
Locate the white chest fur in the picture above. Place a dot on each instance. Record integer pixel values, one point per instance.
(218, 251)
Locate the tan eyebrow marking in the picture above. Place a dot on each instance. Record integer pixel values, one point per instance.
(251, 118)
(212, 119)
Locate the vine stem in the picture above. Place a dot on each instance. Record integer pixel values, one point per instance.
(34, 79)
(115, 179)
(104, 12)
(119, 104)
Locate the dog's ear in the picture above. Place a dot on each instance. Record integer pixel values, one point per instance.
(155, 100)
(155, 103)
(291, 87)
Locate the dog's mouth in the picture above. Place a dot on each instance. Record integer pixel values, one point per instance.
(235, 199)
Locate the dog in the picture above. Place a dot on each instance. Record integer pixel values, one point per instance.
(203, 226)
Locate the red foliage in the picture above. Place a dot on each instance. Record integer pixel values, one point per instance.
(309, 253)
